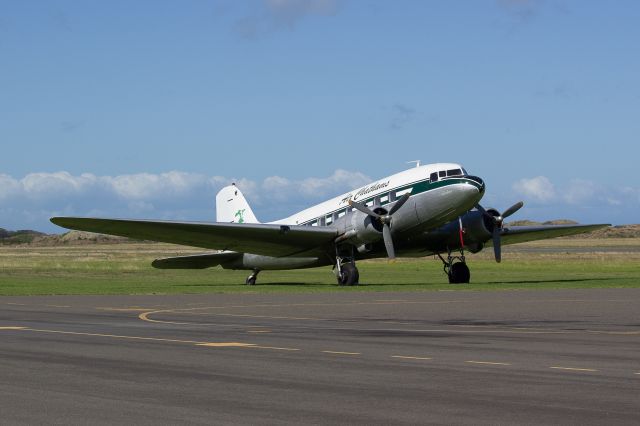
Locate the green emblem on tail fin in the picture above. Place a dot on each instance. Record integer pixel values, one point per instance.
(240, 215)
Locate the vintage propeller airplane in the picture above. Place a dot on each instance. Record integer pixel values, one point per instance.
(426, 210)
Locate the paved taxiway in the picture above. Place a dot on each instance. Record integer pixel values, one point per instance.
(521, 357)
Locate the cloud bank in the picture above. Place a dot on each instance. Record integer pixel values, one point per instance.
(576, 192)
(28, 202)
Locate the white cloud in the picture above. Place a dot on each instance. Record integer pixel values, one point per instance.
(30, 201)
(580, 191)
(539, 188)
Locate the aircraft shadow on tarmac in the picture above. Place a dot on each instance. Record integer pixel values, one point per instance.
(470, 286)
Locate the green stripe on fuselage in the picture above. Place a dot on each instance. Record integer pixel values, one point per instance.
(418, 187)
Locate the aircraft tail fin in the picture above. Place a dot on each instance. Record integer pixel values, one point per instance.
(231, 206)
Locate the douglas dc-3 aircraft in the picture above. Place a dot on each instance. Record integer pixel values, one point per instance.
(426, 210)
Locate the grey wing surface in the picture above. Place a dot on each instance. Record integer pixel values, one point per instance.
(522, 234)
(264, 239)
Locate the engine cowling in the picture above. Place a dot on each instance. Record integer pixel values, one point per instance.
(365, 229)
(477, 230)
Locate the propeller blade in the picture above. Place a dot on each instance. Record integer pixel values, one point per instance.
(497, 249)
(399, 203)
(388, 241)
(483, 211)
(511, 210)
(364, 209)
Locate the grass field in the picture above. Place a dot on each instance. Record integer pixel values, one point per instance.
(125, 269)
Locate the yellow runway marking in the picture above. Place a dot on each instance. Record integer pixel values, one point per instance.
(410, 357)
(275, 348)
(479, 329)
(142, 338)
(12, 328)
(341, 353)
(124, 309)
(574, 369)
(226, 344)
(487, 363)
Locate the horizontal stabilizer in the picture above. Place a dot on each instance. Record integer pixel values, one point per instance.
(196, 261)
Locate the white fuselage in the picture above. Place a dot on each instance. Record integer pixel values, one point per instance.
(378, 193)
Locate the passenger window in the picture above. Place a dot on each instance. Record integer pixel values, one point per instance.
(434, 177)
(328, 219)
(384, 199)
(369, 203)
(314, 223)
(341, 213)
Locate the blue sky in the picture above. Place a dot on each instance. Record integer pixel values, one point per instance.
(146, 108)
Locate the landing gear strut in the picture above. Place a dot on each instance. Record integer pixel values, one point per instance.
(456, 268)
(346, 271)
(251, 279)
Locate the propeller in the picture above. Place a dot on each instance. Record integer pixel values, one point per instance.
(384, 219)
(497, 226)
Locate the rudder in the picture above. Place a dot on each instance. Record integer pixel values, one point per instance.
(231, 206)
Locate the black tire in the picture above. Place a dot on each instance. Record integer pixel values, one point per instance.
(349, 274)
(251, 280)
(459, 273)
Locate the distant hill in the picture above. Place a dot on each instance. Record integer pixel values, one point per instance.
(79, 238)
(22, 236)
(41, 239)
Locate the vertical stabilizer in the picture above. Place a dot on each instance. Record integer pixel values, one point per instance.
(231, 206)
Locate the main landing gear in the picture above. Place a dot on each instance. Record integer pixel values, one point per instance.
(251, 279)
(346, 271)
(456, 268)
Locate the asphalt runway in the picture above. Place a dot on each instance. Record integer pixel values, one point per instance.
(568, 357)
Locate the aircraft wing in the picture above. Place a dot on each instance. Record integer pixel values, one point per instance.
(264, 239)
(195, 261)
(522, 234)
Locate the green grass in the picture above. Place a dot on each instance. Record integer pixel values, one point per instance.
(125, 269)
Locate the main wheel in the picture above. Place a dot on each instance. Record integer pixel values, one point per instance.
(251, 280)
(349, 274)
(459, 273)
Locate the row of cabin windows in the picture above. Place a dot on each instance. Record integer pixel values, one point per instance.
(380, 200)
(445, 173)
(383, 199)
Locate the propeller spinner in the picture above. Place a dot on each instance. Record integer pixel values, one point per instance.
(497, 226)
(384, 219)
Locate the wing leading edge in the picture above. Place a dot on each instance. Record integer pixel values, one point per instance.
(522, 234)
(263, 239)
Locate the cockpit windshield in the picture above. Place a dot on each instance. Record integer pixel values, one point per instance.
(441, 174)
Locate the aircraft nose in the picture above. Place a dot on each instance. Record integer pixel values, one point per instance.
(479, 181)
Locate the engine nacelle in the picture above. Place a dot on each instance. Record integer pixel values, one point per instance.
(365, 229)
(477, 228)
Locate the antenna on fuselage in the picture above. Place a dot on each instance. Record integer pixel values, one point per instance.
(414, 161)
